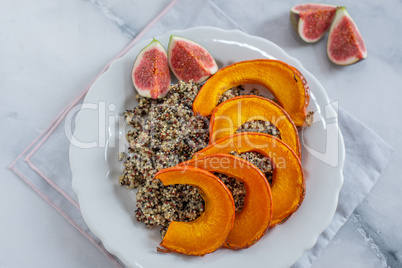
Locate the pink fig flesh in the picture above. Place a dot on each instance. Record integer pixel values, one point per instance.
(151, 74)
(312, 21)
(188, 60)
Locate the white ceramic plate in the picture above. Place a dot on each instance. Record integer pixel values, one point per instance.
(108, 208)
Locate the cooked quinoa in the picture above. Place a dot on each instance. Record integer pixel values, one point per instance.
(235, 92)
(165, 132)
(260, 126)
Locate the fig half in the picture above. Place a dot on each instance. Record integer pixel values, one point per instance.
(188, 60)
(150, 74)
(312, 21)
(345, 43)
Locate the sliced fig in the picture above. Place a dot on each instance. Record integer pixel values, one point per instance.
(345, 43)
(188, 60)
(151, 74)
(312, 21)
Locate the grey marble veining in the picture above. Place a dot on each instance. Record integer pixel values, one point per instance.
(130, 16)
(110, 14)
(41, 37)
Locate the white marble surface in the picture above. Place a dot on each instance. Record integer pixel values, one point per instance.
(51, 49)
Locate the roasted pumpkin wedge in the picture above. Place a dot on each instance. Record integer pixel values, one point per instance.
(285, 82)
(231, 114)
(254, 219)
(288, 185)
(209, 231)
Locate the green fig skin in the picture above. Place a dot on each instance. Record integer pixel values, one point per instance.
(294, 20)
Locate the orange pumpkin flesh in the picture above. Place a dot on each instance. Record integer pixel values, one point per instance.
(254, 219)
(231, 114)
(285, 82)
(288, 185)
(209, 231)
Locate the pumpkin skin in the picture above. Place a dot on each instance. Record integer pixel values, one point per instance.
(209, 231)
(288, 184)
(254, 219)
(285, 82)
(231, 114)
